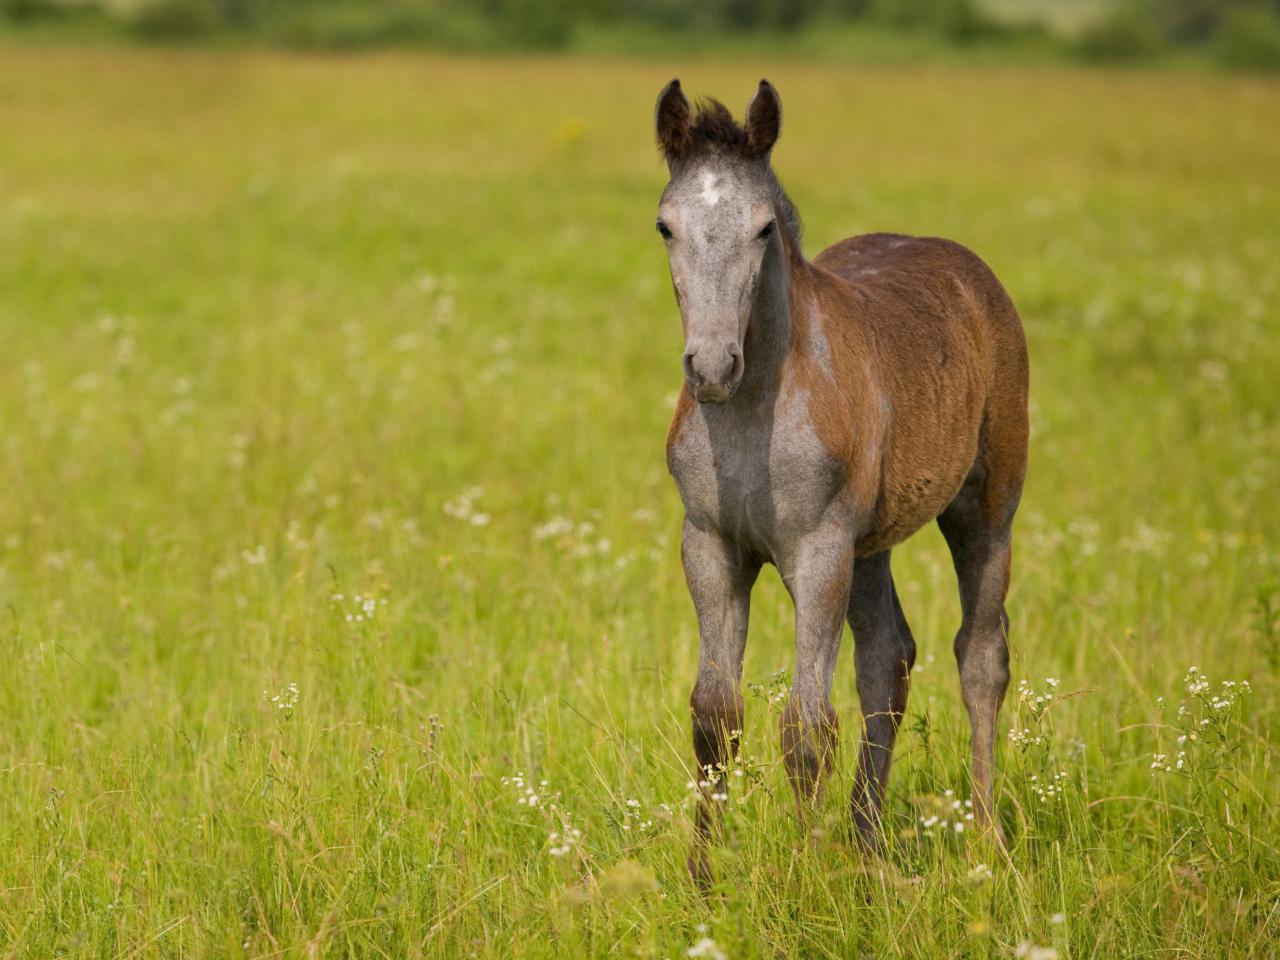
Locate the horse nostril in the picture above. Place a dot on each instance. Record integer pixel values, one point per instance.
(738, 363)
(688, 368)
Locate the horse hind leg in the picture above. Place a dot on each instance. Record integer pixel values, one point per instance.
(977, 527)
(884, 653)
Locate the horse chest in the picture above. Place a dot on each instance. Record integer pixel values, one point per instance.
(762, 480)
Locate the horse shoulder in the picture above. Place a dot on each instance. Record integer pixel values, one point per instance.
(844, 409)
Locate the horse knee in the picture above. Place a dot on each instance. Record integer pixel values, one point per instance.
(717, 709)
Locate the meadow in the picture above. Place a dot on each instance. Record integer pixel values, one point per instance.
(341, 608)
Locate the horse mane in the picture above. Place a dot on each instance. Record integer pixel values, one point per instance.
(790, 215)
(714, 130)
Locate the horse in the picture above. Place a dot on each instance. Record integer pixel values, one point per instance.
(831, 408)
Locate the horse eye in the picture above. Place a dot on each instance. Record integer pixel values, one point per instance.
(767, 232)
(664, 230)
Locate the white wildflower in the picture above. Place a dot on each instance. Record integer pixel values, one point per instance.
(707, 948)
(979, 874)
(285, 700)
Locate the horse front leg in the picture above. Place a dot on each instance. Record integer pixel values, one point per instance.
(720, 582)
(819, 580)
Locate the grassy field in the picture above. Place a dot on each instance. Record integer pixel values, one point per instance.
(340, 599)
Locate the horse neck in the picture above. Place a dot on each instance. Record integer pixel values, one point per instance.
(768, 341)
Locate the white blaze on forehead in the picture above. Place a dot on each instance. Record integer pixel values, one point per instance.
(710, 189)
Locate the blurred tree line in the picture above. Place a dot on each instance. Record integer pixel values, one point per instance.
(1241, 33)
(539, 22)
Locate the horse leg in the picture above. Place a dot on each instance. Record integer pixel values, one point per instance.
(720, 583)
(884, 653)
(977, 530)
(819, 580)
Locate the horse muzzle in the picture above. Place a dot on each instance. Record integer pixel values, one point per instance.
(713, 371)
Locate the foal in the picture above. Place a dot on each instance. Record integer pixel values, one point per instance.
(830, 409)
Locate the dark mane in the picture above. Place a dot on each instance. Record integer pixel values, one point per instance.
(790, 215)
(715, 131)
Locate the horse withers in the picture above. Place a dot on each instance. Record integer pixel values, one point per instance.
(830, 409)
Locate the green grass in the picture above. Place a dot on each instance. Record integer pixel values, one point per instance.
(268, 320)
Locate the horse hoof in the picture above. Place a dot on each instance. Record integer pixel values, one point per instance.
(993, 834)
(700, 871)
(998, 838)
(869, 841)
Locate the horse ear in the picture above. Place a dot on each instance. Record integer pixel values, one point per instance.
(673, 121)
(764, 120)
